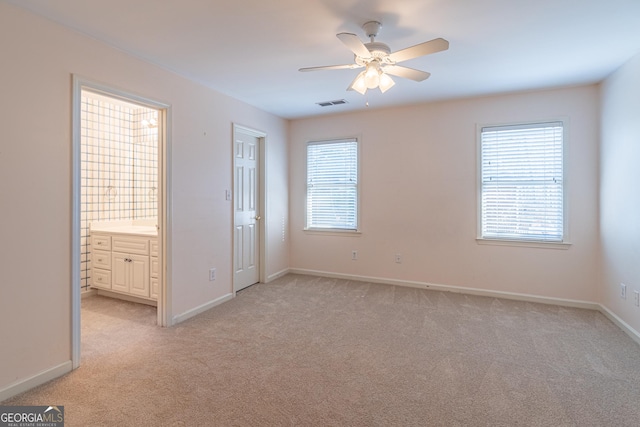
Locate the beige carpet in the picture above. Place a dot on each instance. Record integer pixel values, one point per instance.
(308, 351)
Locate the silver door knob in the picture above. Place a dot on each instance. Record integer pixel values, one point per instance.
(258, 217)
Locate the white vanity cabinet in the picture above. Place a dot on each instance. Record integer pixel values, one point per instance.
(124, 264)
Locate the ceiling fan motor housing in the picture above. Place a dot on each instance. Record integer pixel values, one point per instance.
(378, 50)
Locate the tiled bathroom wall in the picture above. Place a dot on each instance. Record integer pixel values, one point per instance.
(119, 166)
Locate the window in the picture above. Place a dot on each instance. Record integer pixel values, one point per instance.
(332, 185)
(522, 190)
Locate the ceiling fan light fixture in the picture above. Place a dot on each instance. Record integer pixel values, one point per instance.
(372, 76)
(386, 82)
(359, 84)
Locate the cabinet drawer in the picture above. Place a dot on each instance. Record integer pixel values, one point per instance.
(155, 266)
(155, 287)
(130, 245)
(100, 241)
(153, 247)
(101, 278)
(101, 259)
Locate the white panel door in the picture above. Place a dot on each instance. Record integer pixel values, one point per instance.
(247, 218)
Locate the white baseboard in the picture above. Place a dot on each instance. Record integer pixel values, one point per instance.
(125, 297)
(620, 323)
(89, 293)
(35, 380)
(201, 308)
(277, 275)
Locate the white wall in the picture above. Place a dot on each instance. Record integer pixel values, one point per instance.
(619, 194)
(38, 60)
(418, 197)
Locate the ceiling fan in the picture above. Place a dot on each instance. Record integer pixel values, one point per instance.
(379, 61)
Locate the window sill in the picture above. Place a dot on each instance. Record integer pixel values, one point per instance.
(332, 232)
(524, 243)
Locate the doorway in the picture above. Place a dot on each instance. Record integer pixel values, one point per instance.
(248, 207)
(119, 181)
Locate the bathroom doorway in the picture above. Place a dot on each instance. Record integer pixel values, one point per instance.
(119, 200)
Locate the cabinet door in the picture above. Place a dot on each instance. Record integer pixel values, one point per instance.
(120, 272)
(139, 275)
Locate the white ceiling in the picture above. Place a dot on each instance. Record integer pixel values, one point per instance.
(252, 49)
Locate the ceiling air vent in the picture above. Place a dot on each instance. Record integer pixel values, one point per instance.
(330, 103)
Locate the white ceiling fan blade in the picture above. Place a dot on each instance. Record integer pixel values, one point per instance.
(426, 48)
(354, 44)
(406, 72)
(332, 67)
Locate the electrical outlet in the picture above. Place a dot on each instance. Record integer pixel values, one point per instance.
(623, 291)
(212, 274)
(399, 258)
(354, 255)
(636, 298)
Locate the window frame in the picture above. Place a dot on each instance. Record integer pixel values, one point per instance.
(564, 243)
(334, 231)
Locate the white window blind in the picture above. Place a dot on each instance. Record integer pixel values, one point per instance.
(332, 185)
(522, 182)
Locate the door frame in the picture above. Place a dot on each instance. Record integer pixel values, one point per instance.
(262, 200)
(164, 309)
